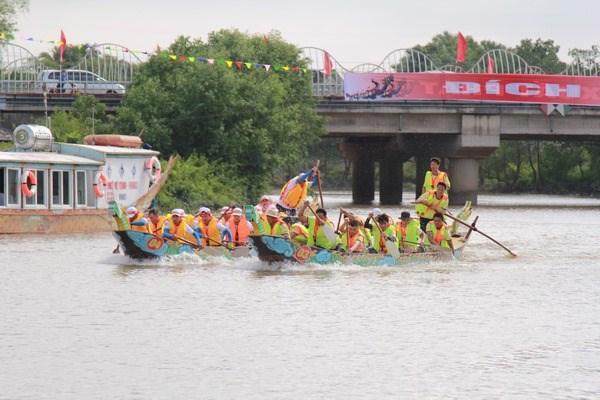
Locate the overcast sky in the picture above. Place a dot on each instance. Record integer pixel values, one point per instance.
(352, 31)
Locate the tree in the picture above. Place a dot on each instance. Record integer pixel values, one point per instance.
(72, 56)
(251, 120)
(8, 10)
(543, 54)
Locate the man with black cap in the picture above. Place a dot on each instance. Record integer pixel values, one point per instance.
(409, 234)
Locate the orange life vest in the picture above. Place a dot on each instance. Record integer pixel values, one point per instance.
(239, 231)
(210, 231)
(292, 197)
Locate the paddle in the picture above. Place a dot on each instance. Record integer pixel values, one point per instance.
(238, 252)
(472, 227)
(319, 183)
(337, 229)
(391, 247)
(327, 230)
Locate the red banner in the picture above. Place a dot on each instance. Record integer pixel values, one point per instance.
(519, 88)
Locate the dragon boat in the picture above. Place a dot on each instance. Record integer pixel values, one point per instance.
(278, 249)
(143, 246)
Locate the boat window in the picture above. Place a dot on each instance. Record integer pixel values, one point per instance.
(2, 187)
(91, 196)
(80, 186)
(61, 188)
(39, 198)
(13, 186)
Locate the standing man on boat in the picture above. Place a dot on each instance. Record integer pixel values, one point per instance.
(316, 234)
(433, 201)
(435, 176)
(438, 233)
(212, 230)
(137, 221)
(175, 228)
(294, 192)
(275, 226)
(409, 234)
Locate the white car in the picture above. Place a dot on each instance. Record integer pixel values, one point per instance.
(78, 81)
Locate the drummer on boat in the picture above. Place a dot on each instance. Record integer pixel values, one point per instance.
(435, 176)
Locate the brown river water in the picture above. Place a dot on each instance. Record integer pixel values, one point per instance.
(77, 322)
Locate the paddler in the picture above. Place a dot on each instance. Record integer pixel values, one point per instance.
(353, 240)
(275, 226)
(409, 234)
(212, 230)
(137, 221)
(433, 201)
(383, 232)
(155, 222)
(240, 227)
(316, 234)
(175, 228)
(294, 192)
(438, 233)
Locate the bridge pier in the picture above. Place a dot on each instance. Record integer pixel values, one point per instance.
(465, 185)
(364, 155)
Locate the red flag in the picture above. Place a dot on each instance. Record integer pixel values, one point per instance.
(461, 49)
(490, 66)
(327, 62)
(63, 44)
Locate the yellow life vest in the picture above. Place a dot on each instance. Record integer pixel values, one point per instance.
(139, 228)
(427, 211)
(210, 231)
(292, 197)
(408, 234)
(316, 236)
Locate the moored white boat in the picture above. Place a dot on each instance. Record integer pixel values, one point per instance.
(48, 187)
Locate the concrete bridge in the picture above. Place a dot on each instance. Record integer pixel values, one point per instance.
(463, 133)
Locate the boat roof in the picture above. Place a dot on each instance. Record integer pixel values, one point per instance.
(116, 150)
(44, 158)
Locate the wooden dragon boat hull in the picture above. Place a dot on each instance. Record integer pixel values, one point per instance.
(278, 249)
(143, 246)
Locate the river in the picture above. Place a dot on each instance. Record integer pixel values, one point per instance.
(78, 322)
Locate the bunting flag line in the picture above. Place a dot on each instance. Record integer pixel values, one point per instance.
(461, 48)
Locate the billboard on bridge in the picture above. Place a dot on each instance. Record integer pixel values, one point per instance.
(520, 88)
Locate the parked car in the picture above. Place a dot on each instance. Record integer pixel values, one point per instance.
(78, 81)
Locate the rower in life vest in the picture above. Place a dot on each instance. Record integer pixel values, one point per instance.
(298, 232)
(438, 233)
(294, 192)
(137, 221)
(212, 230)
(175, 228)
(265, 202)
(275, 226)
(316, 234)
(433, 201)
(409, 234)
(352, 239)
(239, 227)
(389, 233)
(155, 222)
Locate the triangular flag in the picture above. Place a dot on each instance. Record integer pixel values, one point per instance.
(2, 36)
(547, 108)
(267, 67)
(172, 56)
(563, 109)
(63, 44)
(248, 65)
(229, 63)
(328, 66)
(210, 60)
(238, 64)
(461, 49)
(490, 65)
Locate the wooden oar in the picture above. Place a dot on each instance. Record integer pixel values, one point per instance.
(320, 189)
(327, 230)
(477, 230)
(337, 229)
(238, 252)
(390, 246)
